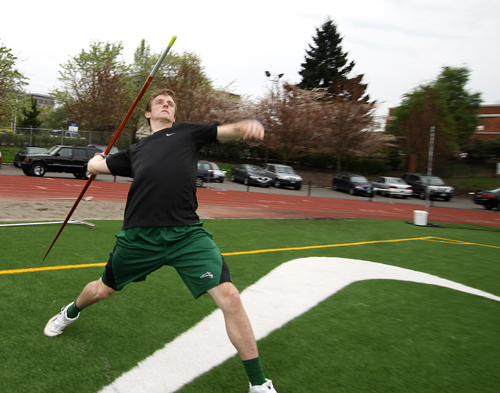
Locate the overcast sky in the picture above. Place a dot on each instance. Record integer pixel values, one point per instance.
(396, 44)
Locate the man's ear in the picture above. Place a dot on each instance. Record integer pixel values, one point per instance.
(147, 114)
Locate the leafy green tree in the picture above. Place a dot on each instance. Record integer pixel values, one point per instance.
(411, 124)
(443, 103)
(462, 105)
(325, 63)
(11, 84)
(31, 115)
(97, 88)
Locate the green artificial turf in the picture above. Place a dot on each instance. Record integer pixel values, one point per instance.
(372, 336)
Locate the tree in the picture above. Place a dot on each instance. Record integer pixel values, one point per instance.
(350, 115)
(420, 110)
(463, 106)
(443, 103)
(325, 63)
(350, 121)
(11, 84)
(97, 88)
(30, 115)
(293, 119)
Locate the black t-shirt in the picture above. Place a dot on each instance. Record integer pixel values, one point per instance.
(163, 166)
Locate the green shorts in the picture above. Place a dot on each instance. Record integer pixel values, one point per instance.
(189, 249)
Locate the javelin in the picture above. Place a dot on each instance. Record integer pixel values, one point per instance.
(115, 137)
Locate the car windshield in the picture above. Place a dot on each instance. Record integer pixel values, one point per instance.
(53, 150)
(432, 180)
(395, 180)
(215, 166)
(254, 168)
(285, 169)
(359, 179)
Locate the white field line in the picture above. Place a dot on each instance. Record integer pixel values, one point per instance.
(277, 298)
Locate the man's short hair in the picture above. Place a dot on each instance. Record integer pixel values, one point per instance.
(161, 92)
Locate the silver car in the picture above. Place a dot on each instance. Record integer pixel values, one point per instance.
(392, 186)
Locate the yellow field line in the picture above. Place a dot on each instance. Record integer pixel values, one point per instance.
(324, 246)
(427, 238)
(41, 269)
(451, 241)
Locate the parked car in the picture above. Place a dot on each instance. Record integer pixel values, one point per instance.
(60, 158)
(21, 154)
(251, 174)
(62, 134)
(209, 172)
(422, 184)
(489, 199)
(103, 148)
(352, 183)
(284, 176)
(392, 186)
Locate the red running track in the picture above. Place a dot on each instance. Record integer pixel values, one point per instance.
(240, 204)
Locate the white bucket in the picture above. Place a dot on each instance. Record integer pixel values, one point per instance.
(420, 217)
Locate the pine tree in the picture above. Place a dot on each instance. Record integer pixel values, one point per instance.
(325, 63)
(30, 115)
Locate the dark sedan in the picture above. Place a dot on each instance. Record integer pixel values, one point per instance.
(489, 199)
(251, 175)
(21, 154)
(352, 183)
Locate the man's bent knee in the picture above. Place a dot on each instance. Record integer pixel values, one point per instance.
(227, 296)
(102, 291)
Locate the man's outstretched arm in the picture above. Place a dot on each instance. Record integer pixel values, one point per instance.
(246, 129)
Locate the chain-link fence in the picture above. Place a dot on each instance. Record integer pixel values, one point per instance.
(46, 138)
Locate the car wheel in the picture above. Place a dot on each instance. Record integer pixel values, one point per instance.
(447, 199)
(245, 181)
(335, 187)
(351, 191)
(277, 183)
(488, 207)
(77, 175)
(38, 169)
(221, 180)
(84, 174)
(27, 172)
(199, 182)
(421, 195)
(233, 178)
(298, 187)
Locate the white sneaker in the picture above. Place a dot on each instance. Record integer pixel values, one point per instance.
(59, 322)
(265, 388)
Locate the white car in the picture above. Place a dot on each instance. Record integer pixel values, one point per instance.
(392, 186)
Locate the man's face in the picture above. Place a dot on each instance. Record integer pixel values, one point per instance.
(162, 108)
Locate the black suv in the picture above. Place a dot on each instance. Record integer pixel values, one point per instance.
(422, 184)
(60, 158)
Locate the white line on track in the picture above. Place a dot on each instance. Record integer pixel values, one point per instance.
(285, 293)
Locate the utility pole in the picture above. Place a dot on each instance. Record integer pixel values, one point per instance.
(275, 80)
(429, 168)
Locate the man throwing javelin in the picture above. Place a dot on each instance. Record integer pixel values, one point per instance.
(161, 226)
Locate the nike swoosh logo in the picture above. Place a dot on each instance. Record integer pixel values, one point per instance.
(170, 134)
